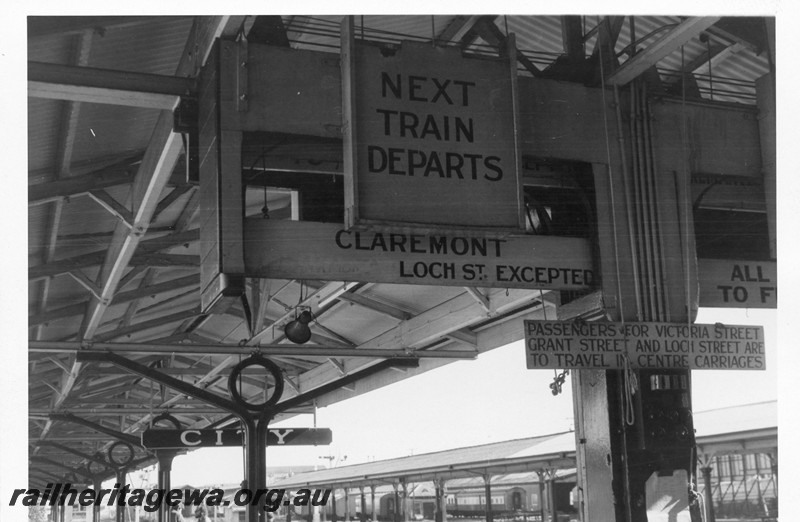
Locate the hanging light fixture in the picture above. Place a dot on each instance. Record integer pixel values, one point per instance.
(298, 330)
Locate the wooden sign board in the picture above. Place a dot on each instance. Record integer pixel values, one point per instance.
(205, 438)
(310, 250)
(612, 346)
(738, 284)
(430, 137)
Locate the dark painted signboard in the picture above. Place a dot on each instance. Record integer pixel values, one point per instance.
(738, 284)
(306, 250)
(191, 438)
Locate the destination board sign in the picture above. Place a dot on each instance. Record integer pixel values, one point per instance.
(429, 137)
(310, 250)
(190, 438)
(611, 346)
(738, 284)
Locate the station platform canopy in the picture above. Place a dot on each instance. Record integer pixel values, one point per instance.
(114, 224)
(749, 428)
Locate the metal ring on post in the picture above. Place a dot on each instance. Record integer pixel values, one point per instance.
(271, 367)
(123, 461)
(98, 468)
(166, 416)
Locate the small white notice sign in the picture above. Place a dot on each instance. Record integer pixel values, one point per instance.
(613, 346)
(667, 497)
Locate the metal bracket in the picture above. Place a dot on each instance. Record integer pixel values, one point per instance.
(241, 74)
(338, 365)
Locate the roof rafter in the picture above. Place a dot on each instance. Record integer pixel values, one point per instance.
(146, 325)
(157, 164)
(50, 25)
(457, 29)
(146, 247)
(487, 30)
(69, 119)
(121, 173)
(647, 58)
(376, 306)
(92, 85)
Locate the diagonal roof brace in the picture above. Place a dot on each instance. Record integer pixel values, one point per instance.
(89, 84)
(151, 178)
(674, 39)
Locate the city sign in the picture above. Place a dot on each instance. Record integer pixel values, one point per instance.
(204, 438)
(614, 346)
(311, 250)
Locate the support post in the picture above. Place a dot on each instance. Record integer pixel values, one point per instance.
(644, 216)
(487, 479)
(97, 484)
(396, 503)
(708, 494)
(405, 501)
(372, 503)
(122, 474)
(333, 504)
(441, 500)
(541, 495)
(165, 458)
(346, 504)
(773, 459)
(551, 498)
(765, 98)
(363, 505)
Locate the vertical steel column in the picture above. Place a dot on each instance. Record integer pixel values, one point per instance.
(708, 493)
(346, 504)
(773, 459)
(165, 458)
(333, 504)
(396, 503)
(551, 490)
(97, 484)
(441, 500)
(122, 473)
(372, 502)
(487, 478)
(444, 500)
(259, 467)
(765, 99)
(761, 501)
(541, 495)
(363, 505)
(649, 273)
(405, 501)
